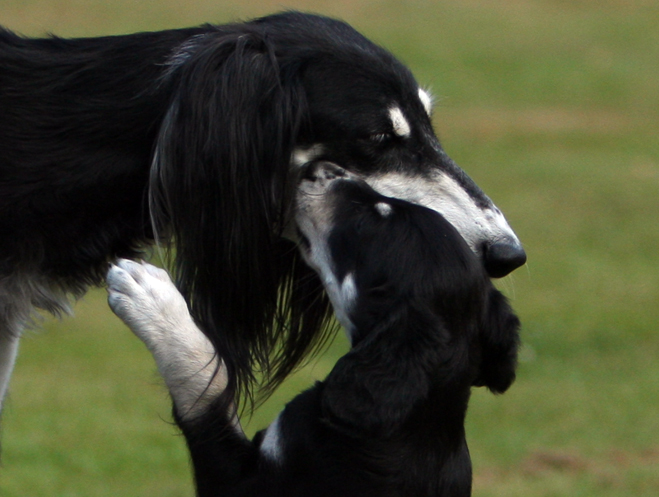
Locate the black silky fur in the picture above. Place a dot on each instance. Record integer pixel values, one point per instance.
(185, 137)
(389, 419)
(191, 132)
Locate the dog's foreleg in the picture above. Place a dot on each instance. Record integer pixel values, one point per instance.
(145, 298)
(8, 353)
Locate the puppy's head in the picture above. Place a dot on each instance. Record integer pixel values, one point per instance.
(377, 254)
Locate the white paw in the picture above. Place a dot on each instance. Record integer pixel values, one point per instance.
(145, 298)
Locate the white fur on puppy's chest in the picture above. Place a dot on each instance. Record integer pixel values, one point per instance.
(271, 445)
(400, 124)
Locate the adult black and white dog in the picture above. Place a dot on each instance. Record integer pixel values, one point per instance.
(425, 324)
(195, 137)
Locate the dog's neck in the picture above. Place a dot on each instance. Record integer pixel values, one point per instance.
(411, 365)
(402, 393)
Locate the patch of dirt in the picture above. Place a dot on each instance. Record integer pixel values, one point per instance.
(553, 461)
(609, 469)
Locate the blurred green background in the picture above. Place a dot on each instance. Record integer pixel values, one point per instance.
(552, 106)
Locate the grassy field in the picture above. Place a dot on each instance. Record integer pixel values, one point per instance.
(552, 106)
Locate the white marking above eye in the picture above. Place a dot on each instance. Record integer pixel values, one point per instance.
(401, 126)
(426, 100)
(383, 208)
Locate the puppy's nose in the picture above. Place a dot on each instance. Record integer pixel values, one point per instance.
(503, 257)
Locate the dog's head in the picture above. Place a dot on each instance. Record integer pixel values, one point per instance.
(367, 113)
(377, 254)
(251, 106)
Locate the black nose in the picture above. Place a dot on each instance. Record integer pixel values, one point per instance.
(502, 258)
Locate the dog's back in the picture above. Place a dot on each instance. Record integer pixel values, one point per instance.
(78, 119)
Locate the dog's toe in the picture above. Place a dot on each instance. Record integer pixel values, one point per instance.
(136, 270)
(120, 280)
(156, 272)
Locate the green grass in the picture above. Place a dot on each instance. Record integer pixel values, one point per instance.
(552, 107)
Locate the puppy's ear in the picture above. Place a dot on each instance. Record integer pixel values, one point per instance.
(499, 336)
(218, 189)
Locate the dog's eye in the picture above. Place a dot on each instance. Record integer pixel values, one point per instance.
(381, 137)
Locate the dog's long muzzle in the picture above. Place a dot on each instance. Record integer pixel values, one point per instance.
(490, 238)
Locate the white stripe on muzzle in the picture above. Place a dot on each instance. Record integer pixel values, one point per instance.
(479, 226)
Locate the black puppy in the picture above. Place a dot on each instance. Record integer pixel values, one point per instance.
(425, 324)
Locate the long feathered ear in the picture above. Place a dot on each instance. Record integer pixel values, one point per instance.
(375, 386)
(499, 336)
(219, 189)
